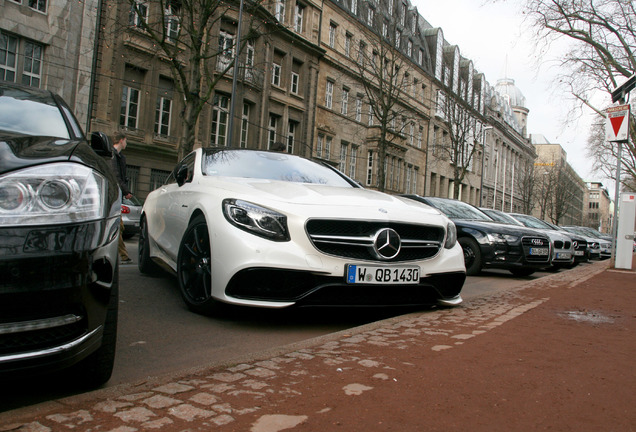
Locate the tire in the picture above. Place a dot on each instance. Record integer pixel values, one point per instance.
(472, 255)
(97, 368)
(145, 264)
(523, 271)
(194, 270)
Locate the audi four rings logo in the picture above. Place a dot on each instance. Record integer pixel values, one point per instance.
(387, 243)
(537, 242)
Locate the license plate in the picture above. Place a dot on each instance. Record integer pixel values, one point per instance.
(539, 251)
(579, 253)
(382, 275)
(563, 255)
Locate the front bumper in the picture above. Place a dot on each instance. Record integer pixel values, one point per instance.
(54, 293)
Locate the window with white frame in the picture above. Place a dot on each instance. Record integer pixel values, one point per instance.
(371, 115)
(319, 145)
(370, 168)
(163, 114)
(272, 127)
(329, 94)
(344, 108)
(327, 149)
(348, 42)
(390, 6)
(416, 172)
(353, 161)
(419, 137)
(420, 57)
(129, 111)
(138, 15)
(359, 108)
(407, 180)
(226, 50)
(332, 34)
(279, 10)
(409, 48)
(295, 78)
(385, 29)
(398, 39)
(412, 133)
(245, 124)
(362, 47)
(298, 21)
(403, 14)
(220, 112)
(172, 20)
(32, 67)
(370, 16)
(249, 60)
(344, 148)
(38, 5)
(291, 136)
(276, 70)
(8, 57)
(354, 6)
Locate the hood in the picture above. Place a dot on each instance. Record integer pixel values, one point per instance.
(20, 151)
(320, 197)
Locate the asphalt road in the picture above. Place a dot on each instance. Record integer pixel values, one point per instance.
(158, 335)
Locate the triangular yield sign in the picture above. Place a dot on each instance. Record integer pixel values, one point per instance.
(616, 123)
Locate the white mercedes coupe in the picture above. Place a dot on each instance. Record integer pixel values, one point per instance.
(269, 229)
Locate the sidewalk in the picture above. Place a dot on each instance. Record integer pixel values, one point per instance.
(557, 353)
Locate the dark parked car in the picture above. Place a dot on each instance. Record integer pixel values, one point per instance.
(59, 226)
(130, 213)
(491, 244)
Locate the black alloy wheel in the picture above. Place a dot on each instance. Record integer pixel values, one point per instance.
(194, 267)
(145, 264)
(472, 255)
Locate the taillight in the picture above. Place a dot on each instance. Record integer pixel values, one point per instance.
(125, 209)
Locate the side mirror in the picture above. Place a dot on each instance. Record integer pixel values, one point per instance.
(101, 144)
(181, 174)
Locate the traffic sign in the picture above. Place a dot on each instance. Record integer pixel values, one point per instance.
(617, 123)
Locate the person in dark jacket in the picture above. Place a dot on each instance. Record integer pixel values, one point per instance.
(119, 167)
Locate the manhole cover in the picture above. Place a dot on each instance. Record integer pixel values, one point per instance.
(587, 316)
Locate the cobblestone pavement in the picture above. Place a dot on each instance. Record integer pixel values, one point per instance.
(302, 386)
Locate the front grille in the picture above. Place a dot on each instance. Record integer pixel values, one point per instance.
(560, 244)
(535, 242)
(42, 338)
(354, 239)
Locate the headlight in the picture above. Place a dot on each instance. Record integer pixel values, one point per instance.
(451, 235)
(255, 219)
(52, 194)
(502, 238)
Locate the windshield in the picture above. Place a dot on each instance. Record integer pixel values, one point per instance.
(502, 217)
(458, 209)
(532, 222)
(269, 166)
(21, 112)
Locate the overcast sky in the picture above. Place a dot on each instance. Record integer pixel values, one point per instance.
(494, 38)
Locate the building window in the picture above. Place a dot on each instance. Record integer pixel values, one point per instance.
(291, 136)
(328, 141)
(370, 168)
(348, 41)
(409, 48)
(344, 147)
(8, 57)
(226, 50)
(276, 68)
(323, 146)
(249, 61)
(412, 133)
(353, 161)
(129, 107)
(359, 108)
(370, 15)
(419, 137)
(398, 39)
(370, 114)
(345, 101)
(332, 35)
(354, 6)
(138, 15)
(32, 68)
(279, 11)
(163, 116)
(172, 21)
(403, 14)
(385, 30)
(294, 82)
(420, 58)
(245, 123)
(298, 22)
(271, 131)
(329, 95)
(38, 5)
(319, 145)
(220, 106)
(132, 174)
(158, 178)
(361, 52)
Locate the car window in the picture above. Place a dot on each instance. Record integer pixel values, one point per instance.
(268, 166)
(533, 222)
(17, 114)
(458, 209)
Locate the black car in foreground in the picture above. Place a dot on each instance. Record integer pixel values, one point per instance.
(59, 224)
(491, 244)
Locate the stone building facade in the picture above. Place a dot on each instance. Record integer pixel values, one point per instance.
(596, 207)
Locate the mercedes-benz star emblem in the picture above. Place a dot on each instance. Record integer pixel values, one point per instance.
(387, 243)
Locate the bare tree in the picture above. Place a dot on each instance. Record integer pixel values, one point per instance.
(527, 186)
(563, 192)
(185, 35)
(383, 73)
(601, 56)
(464, 126)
